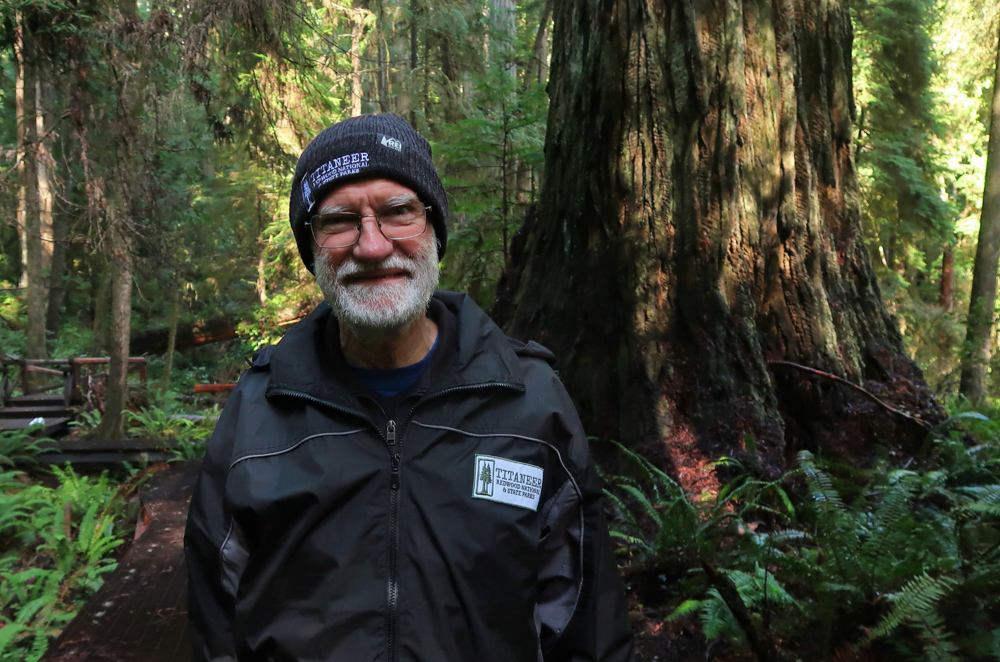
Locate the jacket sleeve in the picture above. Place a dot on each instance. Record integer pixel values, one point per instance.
(211, 599)
(581, 613)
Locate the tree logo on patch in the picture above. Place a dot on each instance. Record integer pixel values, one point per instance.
(484, 480)
(507, 481)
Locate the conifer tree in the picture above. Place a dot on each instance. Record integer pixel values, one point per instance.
(979, 330)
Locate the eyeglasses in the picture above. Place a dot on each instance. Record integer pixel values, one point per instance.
(395, 222)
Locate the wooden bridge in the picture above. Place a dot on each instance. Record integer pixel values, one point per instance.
(52, 390)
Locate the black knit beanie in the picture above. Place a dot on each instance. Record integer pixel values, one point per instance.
(382, 145)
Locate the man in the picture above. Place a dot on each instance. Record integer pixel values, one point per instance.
(396, 479)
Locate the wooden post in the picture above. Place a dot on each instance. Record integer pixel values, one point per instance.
(24, 378)
(75, 370)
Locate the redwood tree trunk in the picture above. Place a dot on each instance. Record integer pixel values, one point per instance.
(357, 32)
(982, 298)
(699, 219)
(29, 210)
(119, 255)
(946, 293)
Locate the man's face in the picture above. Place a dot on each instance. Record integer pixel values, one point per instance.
(377, 287)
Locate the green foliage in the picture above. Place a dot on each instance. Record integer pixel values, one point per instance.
(18, 447)
(55, 546)
(189, 433)
(901, 561)
(87, 421)
(922, 72)
(157, 423)
(13, 317)
(490, 161)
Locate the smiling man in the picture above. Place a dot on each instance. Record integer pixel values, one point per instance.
(396, 479)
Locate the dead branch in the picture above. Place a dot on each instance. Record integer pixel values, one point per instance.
(916, 419)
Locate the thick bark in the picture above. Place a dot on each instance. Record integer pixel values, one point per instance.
(44, 121)
(982, 299)
(503, 36)
(946, 294)
(699, 219)
(29, 216)
(539, 51)
(382, 81)
(168, 359)
(414, 32)
(58, 273)
(101, 301)
(119, 256)
(357, 32)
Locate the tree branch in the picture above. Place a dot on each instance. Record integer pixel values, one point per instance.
(916, 419)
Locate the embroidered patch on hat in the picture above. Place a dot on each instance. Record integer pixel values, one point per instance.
(506, 481)
(342, 166)
(307, 194)
(390, 142)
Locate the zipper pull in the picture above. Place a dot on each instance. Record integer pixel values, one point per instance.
(390, 433)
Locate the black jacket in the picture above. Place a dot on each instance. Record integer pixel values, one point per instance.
(466, 526)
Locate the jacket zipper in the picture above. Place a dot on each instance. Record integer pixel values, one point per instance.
(392, 586)
(395, 448)
(396, 452)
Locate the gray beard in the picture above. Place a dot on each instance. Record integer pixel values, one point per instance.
(376, 312)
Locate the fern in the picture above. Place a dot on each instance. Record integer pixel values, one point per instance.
(820, 486)
(936, 639)
(917, 599)
(883, 529)
(67, 533)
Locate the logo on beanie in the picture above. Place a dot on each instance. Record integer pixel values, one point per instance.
(342, 166)
(391, 143)
(307, 193)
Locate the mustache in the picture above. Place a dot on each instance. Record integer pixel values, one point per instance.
(353, 267)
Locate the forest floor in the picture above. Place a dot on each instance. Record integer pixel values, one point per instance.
(140, 612)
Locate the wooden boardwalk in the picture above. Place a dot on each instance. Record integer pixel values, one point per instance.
(38, 379)
(140, 613)
(97, 451)
(20, 411)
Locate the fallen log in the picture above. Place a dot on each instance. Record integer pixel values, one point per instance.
(192, 334)
(189, 335)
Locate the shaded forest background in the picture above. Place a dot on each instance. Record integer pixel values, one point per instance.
(149, 193)
(163, 136)
(146, 149)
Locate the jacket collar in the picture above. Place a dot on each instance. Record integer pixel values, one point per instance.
(308, 361)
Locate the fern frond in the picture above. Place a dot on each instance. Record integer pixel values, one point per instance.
(991, 509)
(643, 501)
(884, 530)
(936, 639)
(686, 608)
(820, 486)
(918, 597)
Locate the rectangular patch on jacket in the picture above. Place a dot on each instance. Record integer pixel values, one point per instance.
(505, 481)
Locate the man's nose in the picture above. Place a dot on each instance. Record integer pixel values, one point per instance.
(372, 245)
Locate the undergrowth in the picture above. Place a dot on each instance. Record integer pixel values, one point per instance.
(826, 562)
(56, 544)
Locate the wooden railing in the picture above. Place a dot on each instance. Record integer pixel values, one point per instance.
(33, 374)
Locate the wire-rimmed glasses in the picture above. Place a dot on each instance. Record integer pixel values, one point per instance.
(395, 221)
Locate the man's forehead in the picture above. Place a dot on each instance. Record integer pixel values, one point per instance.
(374, 189)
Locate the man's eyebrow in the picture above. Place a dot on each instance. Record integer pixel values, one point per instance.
(402, 199)
(334, 209)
